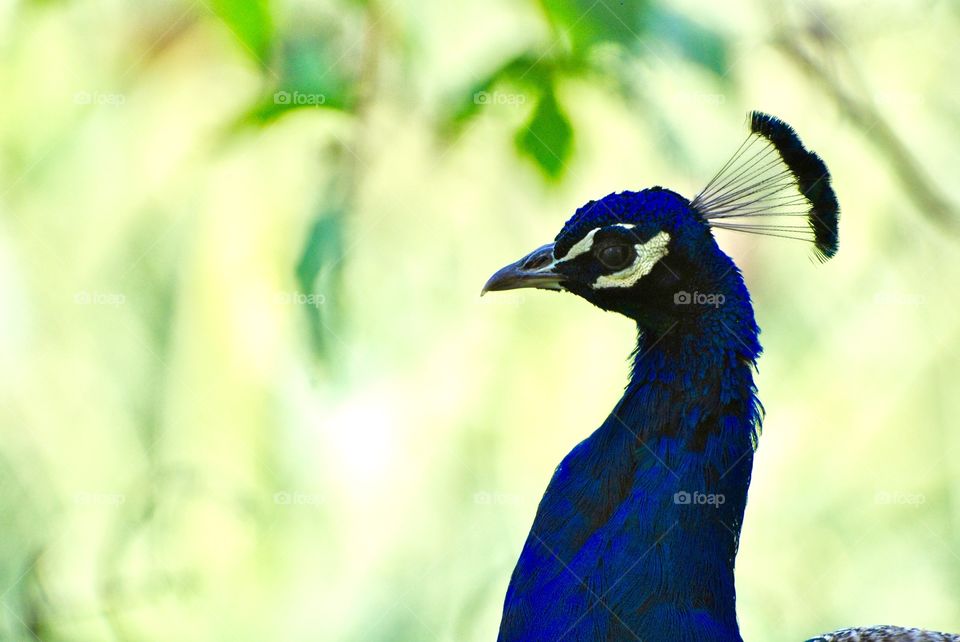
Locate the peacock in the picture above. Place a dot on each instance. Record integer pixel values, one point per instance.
(637, 533)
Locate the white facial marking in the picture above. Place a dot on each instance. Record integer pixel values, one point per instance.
(647, 256)
(585, 244)
(580, 247)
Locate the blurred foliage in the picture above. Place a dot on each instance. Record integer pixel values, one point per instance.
(309, 65)
(581, 32)
(249, 392)
(319, 271)
(547, 136)
(251, 21)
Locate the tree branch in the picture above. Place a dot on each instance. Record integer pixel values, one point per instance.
(919, 186)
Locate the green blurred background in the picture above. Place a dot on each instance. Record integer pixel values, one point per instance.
(249, 391)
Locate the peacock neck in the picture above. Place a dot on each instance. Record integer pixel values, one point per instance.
(642, 519)
(691, 405)
(691, 408)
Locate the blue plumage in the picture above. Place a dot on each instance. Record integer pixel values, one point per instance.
(637, 533)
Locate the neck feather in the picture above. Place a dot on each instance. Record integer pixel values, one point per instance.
(692, 407)
(638, 531)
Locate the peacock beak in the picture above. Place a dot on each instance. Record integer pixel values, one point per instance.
(535, 270)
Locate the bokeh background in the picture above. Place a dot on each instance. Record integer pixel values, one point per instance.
(248, 390)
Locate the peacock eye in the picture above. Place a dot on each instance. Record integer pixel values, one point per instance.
(615, 257)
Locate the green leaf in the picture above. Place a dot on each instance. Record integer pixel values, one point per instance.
(692, 40)
(586, 23)
(314, 74)
(547, 138)
(251, 23)
(319, 276)
(527, 71)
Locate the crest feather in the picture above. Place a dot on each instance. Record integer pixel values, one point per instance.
(774, 177)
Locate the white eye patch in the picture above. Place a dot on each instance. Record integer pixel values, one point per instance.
(647, 256)
(580, 247)
(585, 244)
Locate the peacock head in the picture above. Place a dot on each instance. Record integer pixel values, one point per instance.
(630, 252)
(651, 255)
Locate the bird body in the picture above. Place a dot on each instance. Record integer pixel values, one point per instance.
(886, 634)
(637, 533)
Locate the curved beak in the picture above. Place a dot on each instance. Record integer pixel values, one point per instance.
(535, 270)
